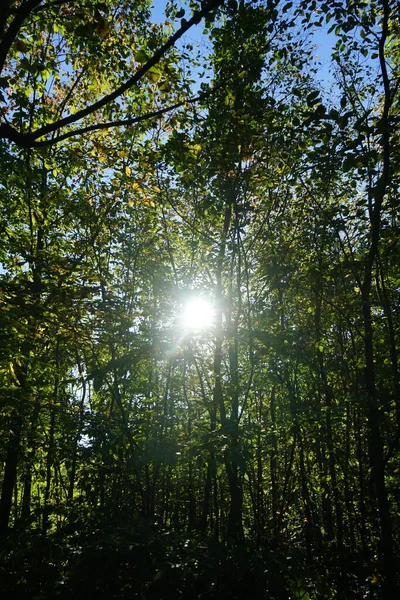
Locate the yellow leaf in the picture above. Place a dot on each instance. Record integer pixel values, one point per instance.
(153, 75)
(11, 368)
(128, 170)
(123, 153)
(148, 202)
(156, 189)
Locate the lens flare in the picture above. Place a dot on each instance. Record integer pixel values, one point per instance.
(197, 315)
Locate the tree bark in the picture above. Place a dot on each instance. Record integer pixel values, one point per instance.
(10, 475)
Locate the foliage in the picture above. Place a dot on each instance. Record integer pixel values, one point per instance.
(258, 457)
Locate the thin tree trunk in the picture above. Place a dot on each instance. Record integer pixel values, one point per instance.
(273, 468)
(49, 465)
(72, 474)
(32, 445)
(10, 475)
(374, 414)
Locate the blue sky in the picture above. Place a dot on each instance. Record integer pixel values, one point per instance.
(321, 39)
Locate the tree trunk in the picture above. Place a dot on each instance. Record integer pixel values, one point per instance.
(10, 475)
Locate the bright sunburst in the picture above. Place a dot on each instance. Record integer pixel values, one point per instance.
(198, 314)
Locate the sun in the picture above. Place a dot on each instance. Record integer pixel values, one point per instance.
(198, 314)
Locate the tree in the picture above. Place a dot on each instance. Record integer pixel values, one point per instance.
(89, 32)
(259, 455)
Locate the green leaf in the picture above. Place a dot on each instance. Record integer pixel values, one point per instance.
(141, 56)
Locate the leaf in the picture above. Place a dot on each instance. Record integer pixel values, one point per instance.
(141, 56)
(165, 86)
(153, 75)
(301, 594)
(103, 28)
(128, 170)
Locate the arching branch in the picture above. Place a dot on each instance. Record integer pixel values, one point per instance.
(28, 140)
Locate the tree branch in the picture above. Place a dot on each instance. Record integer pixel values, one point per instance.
(118, 123)
(21, 15)
(25, 140)
(53, 4)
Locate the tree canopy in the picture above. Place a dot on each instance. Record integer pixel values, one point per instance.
(199, 299)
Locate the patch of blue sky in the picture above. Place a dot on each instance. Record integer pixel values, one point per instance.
(197, 39)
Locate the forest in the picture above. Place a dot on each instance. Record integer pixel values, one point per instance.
(199, 299)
